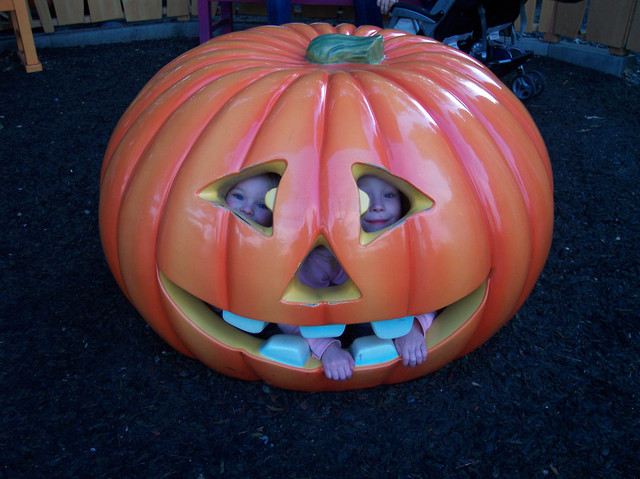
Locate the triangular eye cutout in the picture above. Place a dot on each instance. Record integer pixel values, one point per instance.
(320, 279)
(385, 201)
(249, 195)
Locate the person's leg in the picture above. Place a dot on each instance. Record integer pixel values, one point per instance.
(279, 11)
(367, 13)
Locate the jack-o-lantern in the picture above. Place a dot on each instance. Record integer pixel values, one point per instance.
(322, 111)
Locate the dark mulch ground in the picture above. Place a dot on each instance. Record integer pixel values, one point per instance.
(88, 390)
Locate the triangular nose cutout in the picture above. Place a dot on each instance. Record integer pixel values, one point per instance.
(320, 279)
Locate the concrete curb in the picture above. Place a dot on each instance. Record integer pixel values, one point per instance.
(108, 33)
(587, 56)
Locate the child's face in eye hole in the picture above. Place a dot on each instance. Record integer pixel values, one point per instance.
(247, 199)
(385, 204)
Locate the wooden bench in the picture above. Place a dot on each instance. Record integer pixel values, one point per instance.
(21, 23)
(207, 25)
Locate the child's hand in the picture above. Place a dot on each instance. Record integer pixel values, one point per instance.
(385, 5)
(412, 346)
(338, 364)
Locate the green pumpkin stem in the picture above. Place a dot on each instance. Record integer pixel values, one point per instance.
(338, 48)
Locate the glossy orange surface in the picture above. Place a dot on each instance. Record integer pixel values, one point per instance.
(427, 115)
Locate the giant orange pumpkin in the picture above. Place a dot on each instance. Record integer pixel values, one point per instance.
(426, 117)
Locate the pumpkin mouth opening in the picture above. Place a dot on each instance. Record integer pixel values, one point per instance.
(263, 340)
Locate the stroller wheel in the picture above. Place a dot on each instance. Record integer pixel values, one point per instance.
(538, 81)
(523, 87)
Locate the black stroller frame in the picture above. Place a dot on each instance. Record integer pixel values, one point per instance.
(482, 28)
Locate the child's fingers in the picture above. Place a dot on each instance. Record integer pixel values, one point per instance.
(413, 357)
(331, 373)
(340, 367)
(338, 374)
(409, 359)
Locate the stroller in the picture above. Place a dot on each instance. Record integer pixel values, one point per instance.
(482, 28)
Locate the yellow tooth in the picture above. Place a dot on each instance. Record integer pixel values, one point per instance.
(364, 202)
(270, 198)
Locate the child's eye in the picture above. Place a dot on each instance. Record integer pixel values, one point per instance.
(238, 196)
(389, 195)
(262, 205)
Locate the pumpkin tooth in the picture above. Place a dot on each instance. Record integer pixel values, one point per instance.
(245, 324)
(286, 348)
(372, 350)
(327, 331)
(392, 328)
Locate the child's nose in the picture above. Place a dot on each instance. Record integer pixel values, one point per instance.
(247, 210)
(376, 205)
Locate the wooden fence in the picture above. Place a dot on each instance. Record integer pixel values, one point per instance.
(49, 14)
(614, 23)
